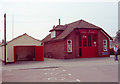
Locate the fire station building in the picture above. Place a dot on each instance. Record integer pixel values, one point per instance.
(79, 39)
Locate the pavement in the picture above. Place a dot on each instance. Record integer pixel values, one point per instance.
(103, 69)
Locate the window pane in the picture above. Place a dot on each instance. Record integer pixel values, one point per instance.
(53, 34)
(89, 40)
(84, 40)
(80, 40)
(94, 40)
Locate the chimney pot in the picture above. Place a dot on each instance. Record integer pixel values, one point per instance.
(53, 26)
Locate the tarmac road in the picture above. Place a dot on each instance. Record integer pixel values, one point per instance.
(54, 70)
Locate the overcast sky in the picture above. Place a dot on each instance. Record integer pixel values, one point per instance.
(37, 17)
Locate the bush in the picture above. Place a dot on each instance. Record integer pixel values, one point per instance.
(112, 51)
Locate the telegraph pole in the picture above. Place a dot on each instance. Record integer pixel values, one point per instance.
(5, 38)
(12, 27)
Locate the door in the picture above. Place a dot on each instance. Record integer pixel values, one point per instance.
(39, 53)
(87, 45)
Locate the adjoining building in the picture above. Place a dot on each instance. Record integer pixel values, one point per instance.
(0, 51)
(23, 48)
(79, 39)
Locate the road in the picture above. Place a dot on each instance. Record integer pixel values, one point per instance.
(56, 70)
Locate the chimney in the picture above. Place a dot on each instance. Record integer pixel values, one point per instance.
(53, 26)
(59, 21)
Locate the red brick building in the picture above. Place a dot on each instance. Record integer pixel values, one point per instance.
(78, 39)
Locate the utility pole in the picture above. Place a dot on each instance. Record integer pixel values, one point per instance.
(12, 27)
(5, 38)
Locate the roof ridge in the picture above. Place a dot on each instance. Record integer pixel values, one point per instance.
(91, 23)
(21, 36)
(75, 22)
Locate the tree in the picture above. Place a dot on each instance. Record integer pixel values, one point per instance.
(117, 37)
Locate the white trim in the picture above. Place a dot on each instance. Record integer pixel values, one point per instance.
(53, 34)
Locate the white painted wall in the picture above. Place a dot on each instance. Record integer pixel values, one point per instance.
(3, 53)
(0, 52)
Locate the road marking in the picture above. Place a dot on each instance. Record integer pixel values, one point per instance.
(48, 78)
(64, 70)
(63, 79)
(78, 80)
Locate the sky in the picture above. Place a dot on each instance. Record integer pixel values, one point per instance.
(37, 17)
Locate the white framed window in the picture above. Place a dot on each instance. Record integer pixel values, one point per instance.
(69, 45)
(53, 34)
(104, 45)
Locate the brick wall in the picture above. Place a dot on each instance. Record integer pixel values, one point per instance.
(58, 49)
(102, 37)
(54, 49)
(75, 45)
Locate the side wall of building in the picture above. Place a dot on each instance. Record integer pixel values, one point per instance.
(101, 52)
(54, 49)
(0, 52)
(75, 45)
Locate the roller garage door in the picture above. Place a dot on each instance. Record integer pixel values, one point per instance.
(28, 53)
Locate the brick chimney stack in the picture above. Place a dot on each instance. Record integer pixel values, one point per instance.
(53, 26)
(59, 21)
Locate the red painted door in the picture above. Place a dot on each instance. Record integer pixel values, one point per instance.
(39, 53)
(87, 45)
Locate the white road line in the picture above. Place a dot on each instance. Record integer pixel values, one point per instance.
(77, 80)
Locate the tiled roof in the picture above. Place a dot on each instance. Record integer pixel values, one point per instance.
(68, 28)
(47, 38)
(58, 27)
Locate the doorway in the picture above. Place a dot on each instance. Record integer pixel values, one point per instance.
(28, 53)
(25, 53)
(87, 45)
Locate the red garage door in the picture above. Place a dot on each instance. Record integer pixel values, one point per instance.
(39, 53)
